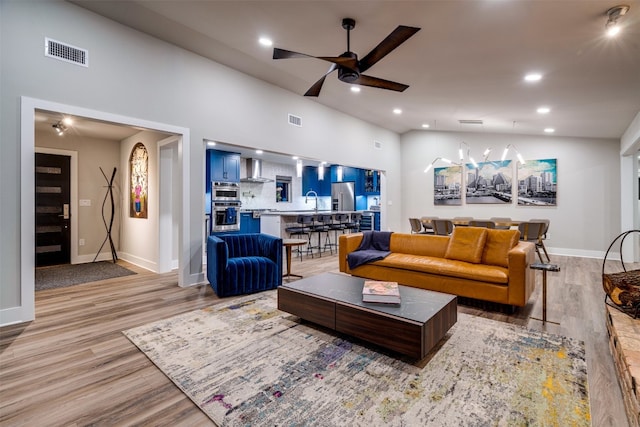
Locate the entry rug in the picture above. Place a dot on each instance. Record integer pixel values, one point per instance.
(244, 363)
(59, 276)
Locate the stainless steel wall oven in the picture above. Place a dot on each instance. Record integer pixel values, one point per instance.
(225, 216)
(225, 207)
(225, 191)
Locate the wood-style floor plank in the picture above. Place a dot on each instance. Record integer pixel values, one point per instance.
(72, 366)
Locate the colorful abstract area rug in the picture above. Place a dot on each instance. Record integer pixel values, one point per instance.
(244, 363)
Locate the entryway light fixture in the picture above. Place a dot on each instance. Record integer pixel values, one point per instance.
(612, 27)
(60, 128)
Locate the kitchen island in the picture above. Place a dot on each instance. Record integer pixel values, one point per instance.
(276, 222)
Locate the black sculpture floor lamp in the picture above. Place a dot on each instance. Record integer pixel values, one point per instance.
(108, 227)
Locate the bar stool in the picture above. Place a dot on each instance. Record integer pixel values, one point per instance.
(321, 225)
(302, 228)
(354, 224)
(339, 223)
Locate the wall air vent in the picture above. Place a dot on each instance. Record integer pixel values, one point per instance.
(65, 52)
(470, 122)
(295, 120)
(377, 145)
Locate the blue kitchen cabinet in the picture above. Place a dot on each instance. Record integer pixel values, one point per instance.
(222, 166)
(311, 181)
(370, 182)
(348, 174)
(249, 224)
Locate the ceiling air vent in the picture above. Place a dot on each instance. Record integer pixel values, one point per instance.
(377, 145)
(295, 120)
(66, 52)
(470, 122)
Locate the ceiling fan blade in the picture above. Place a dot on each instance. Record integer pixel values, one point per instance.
(380, 83)
(286, 54)
(392, 41)
(350, 63)
(317, 86)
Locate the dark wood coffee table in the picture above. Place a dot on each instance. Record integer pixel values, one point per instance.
(335, 301)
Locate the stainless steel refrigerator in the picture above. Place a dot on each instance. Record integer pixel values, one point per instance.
(343, 196)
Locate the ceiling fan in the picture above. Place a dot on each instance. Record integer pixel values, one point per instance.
(349, 68)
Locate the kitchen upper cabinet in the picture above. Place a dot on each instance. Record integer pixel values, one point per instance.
(311, 181)
(223, 166)
(371, 182)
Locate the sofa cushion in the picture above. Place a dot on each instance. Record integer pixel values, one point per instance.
(498, 245)
(466, 244)
(446, 267)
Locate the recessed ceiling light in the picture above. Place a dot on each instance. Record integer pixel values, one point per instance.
(397, 111)
(259, 151)
(533, 77)
(355, 89)
(295, 157)
(211, 143)
(425, 125)
(543, 110)
(264, 41)
(549, 130)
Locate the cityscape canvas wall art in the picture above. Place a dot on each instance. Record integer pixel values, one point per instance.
(490, 182)
(447, 183)
(537, 182)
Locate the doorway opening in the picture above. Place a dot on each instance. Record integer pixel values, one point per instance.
(25, 311)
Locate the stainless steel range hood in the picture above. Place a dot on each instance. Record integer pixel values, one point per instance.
(254, 172)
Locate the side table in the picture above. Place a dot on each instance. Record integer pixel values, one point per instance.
(544, 268)
(288, 245)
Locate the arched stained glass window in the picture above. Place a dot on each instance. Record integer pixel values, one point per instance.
(139, 180)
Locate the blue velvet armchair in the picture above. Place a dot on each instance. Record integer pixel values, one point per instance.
(240, 264)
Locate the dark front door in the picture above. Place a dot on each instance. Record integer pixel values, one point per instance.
(53, 233)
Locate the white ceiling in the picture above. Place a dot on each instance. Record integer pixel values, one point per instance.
(466, 63)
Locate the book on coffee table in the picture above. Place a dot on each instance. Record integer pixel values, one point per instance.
(382, 292)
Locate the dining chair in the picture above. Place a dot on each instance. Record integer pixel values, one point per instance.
(482, 223)
(442, 227)
(546, 226)
(462, 220)
(531, 231)
(427, 223)
(498, 220)
(416, 226)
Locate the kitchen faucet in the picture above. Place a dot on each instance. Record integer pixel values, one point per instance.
(306, 198)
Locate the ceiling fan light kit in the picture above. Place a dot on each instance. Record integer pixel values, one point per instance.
(349, 68)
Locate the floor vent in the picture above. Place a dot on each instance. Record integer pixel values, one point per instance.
(65, 52)
(295, 120)
(377, 145)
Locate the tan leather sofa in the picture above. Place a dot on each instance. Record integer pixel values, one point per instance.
(479, 263)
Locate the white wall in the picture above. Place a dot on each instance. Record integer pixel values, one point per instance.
(134, 75)
(587, 215)
(139, 237)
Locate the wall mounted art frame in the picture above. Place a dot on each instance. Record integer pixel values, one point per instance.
(537, 182)
(447, 186)
(138, 181)
(489, 183)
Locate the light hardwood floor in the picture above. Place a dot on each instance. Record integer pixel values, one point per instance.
(72, 366)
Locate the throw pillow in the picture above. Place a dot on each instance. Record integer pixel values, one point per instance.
(498, 245)
(466, 244)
